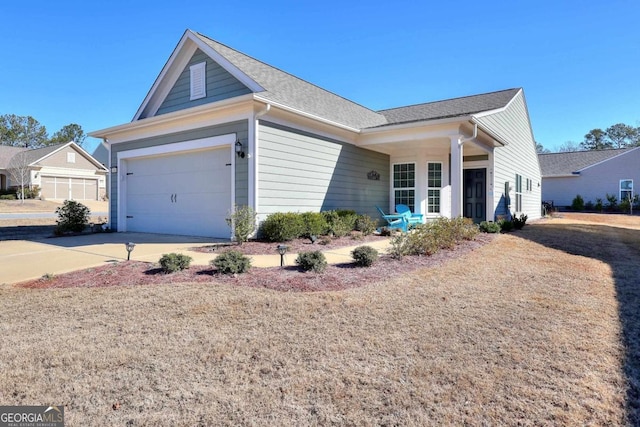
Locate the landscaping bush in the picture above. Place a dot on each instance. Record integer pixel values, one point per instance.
(612, 201)
(170, 263)
(8, 197)
(427, 239)
(312, 261)
(505, 225)
(364, 256)
(242, 221)
(625, 205)
(519, 222)
(232, 262)
(598, 205)
(313, 224)
(72, 216)
(489, 227)
(339, 223)
(578, 203)
(365, 224)
(282, 227)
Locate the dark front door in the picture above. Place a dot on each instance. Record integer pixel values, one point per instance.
(475, 194)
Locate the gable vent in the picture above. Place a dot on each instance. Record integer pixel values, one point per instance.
(198, 81)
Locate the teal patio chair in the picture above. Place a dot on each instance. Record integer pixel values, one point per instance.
(395, 220)
(412, 218)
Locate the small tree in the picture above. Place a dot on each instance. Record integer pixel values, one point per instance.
(19, 172)
(242, 221)
(72, 216)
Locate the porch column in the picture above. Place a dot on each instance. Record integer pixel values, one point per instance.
(456, 176)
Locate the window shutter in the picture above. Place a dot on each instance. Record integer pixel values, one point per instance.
(198, 81)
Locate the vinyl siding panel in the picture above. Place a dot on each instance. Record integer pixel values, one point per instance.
(59, 160)
(240, 128)
(220, 85)
(595, 182)
(301, 172)
(518, 157)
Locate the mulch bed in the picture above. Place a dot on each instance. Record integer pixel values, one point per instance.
(259, 247)
(289, 278)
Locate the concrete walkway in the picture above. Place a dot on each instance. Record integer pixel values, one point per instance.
(22, 260)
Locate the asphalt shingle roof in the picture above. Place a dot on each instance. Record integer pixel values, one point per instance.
(289, 90)
(553, 164)
(6, 154)
(455, 107)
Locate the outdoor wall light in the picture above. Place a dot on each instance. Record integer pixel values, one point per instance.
(239, 149)
(129, 246)
(282, 249)
(114, 169)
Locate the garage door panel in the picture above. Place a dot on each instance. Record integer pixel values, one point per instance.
(183, 193)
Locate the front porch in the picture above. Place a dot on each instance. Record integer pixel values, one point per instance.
(446, 170)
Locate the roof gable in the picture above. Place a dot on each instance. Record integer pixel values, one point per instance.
(573, 162)
(35, 156)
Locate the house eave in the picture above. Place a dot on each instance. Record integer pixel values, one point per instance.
(173, 117)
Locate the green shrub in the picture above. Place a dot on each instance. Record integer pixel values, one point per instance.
(505, 225)
(427, 239)
(612, 201)
(364, 256)
(72, 216)
(365, 224)
(31, 193)
(170, 263)
(312, 261)
(598, 205)
(489, 227)
(242, 221)
(518, 223)
(625, 205)
(232, 262)
(578, 203)
(339, 223)
(282, 227)
(313, 224)
(8, 197)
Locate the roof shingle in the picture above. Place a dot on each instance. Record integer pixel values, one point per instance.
(558, 164)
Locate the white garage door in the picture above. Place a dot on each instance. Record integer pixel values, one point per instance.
(55, 187)
(187, 193)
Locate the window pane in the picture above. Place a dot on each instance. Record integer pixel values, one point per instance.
(404, 175)
(405, 197)
(433, 201)
(626, 184)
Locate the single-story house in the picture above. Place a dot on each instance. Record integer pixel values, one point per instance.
(62, 171)
(592, 174)
(219, 128)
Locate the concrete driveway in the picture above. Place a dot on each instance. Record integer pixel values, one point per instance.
(22, 260)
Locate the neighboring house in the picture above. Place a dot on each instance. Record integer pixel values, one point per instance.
(219, 128)
(591, 174)
(61, 172)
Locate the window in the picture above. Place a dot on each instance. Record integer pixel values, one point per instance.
(71, 157)
(529, 185)
(198, 81)
(404, 182)
(434, 184)
(626, 189)
(518, 193)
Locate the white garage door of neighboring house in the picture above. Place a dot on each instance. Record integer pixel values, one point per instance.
(58, 188)
(187, 193)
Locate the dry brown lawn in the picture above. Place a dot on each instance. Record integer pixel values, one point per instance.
(538, 327)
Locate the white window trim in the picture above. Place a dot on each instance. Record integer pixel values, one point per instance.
(394, 188)
(439, 213)
(519, 201)
(620, 190)
(198, 81)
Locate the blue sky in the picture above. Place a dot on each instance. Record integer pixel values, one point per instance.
(92, 62)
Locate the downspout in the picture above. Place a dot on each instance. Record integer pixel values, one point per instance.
(107, 146)
(474, 136)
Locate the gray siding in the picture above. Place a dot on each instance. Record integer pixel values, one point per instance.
(59, 160)
(595, 182)
(220, 85)
(241, 179)
(518, 157)
(300, 172)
